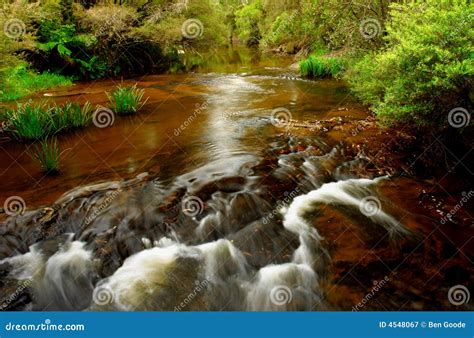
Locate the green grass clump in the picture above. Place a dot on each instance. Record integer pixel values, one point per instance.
(71, 116)
(21, 82)
(319, 66)
(29, 121)
(126, 100)
(48, 154)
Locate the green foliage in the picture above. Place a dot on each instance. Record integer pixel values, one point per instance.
(29, 121)
(37, 121)
(48, 154)
(93, 68)
(282, 29)
(20, 81)
(34, 122)
(300, 25)
(247, 23)
(212, 18)
(66, 10)
(126, 100)
(426, 68)
(91, 40)
(112, 26)
(320, 66)
(56, 36)
(61, 41)
(294, 29)
(70, 116)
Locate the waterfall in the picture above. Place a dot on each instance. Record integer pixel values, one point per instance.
(62, 281)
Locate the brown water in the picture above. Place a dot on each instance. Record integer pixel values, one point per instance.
(190, 205)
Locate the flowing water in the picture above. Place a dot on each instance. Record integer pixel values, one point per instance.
(206, 200)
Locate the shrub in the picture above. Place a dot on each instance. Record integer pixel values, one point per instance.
(320, 66)
(427, 68)
(126, 100)
(298, 26)
(67, 51)
(48, 154)
(111, 28)
(293, 29)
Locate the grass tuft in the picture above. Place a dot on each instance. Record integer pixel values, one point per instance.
(71, 116)
(320, 67)
(48, 154)
(29, 121)
(126, 100)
